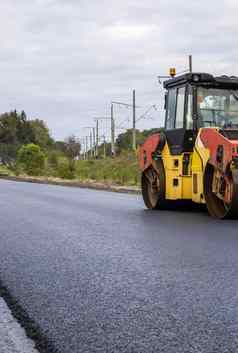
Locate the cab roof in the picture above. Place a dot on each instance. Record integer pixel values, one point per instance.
(203, 79)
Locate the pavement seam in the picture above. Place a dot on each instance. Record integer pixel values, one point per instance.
(33, 331)
(13, 336)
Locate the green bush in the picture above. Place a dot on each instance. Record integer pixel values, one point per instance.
(53, 158)
(31, 159)
(65, 168)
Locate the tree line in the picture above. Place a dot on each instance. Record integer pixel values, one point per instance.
(23, 141)
(26, 145)
(123, 142)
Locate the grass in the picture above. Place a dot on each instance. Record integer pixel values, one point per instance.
(4, 171)
(120, 170)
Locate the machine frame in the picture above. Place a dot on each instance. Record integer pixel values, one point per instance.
(197, 163)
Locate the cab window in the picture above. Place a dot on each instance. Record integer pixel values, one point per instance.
(180, 108)
(171, 109)
(217, 107)
(189, 113)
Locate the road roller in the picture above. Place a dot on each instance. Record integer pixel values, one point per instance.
(194, 157)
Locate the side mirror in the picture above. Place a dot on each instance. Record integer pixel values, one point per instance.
(165, 101)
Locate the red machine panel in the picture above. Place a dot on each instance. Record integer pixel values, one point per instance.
(146, 150)
(221, 149)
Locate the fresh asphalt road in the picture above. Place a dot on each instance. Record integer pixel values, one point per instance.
(99, 273)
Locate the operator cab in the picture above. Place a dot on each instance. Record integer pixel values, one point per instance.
(196, 100)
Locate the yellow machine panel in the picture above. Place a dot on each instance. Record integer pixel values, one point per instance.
(178, 185)
(200, 158)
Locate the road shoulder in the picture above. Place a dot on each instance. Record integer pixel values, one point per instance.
(75, 183)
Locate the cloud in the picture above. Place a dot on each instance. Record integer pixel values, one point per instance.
(64, 61)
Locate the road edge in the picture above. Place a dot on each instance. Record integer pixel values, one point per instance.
(73, 183)
(32, 330)
(13, 336)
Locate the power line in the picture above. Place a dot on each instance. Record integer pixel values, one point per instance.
(143, 116)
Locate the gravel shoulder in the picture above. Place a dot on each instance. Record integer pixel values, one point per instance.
(75, 183)
(13, 338)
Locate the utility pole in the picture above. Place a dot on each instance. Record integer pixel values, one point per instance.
(84, 148)
(190, 63)
(92, 139)
(134, 122)
(86, 153)
(104, 146)
(94, 142)
(91, 144)
(96, 138)
(112, 132)
(97, 130)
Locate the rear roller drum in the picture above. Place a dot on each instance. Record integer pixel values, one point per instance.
(215, 205)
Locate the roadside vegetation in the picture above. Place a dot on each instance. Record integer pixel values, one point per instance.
(122, 170)
(27, 148)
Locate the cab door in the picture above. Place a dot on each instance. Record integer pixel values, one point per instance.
(178, 123)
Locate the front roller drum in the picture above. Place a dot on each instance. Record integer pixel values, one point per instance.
(153, 187)
(215, 205)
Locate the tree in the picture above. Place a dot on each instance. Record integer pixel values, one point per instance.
(60, 146)
(8, 154)
(107, 149)
(31, 159)
(24, 131)
(41, 133)
(72, 150)
(8, 128)
(72, 147)
(16, 130)
(11, 126)
(124, 140)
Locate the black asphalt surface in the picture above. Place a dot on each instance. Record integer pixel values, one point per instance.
(98, 273)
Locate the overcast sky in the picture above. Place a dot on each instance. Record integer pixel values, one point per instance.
(63, 61)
